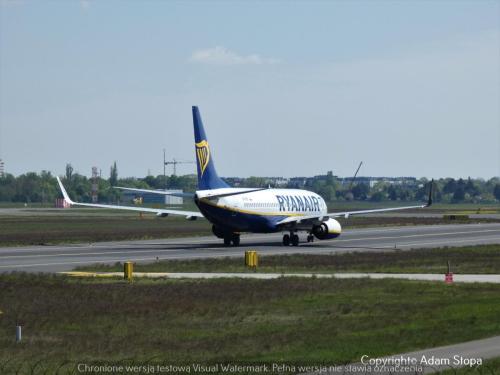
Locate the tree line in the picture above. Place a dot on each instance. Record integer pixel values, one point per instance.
(445, 190)
(42, 187)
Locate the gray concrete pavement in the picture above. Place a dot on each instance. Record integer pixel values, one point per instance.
(66, 257)
(471, 354)
(495, 279)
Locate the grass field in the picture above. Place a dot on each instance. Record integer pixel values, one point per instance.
(34, 227)
(484, 259)
(292, 321)
(50, 229)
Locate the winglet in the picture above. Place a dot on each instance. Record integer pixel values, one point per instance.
(64, 192)
(429, 201)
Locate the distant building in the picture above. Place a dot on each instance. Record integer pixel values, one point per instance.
(151, 198)
(61, 203)
(234, 181)
(170, 200)
(276, 181)
(297, 182)
(271, 181)
(371, 181)
(2, 168)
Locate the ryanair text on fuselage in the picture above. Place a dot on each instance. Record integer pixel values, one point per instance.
(297, 203)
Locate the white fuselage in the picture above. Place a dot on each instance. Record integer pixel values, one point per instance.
(257, 211)
(279, 202)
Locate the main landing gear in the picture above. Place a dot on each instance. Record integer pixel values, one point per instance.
(291, 238)
(233, 238)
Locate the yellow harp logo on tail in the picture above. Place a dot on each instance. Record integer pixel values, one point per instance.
(203, 155)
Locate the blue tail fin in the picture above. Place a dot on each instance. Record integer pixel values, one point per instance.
(207, 176)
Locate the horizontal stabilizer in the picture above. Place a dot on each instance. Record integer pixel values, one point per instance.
(231, 192)
(159, 192)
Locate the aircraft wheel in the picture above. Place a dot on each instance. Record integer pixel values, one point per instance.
(295, 240)
(227, 241)
(236, 240)
(310, 238)
(286, 240)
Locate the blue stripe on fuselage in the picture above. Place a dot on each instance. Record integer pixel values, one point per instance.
(239, 221)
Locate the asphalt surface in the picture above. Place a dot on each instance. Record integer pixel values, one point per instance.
(66, 257)
(471, 354)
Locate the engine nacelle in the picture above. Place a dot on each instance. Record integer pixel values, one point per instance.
(327, 230)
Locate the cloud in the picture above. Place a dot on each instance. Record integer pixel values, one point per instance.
(222, 56)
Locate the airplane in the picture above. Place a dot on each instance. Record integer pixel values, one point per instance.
(233, 211)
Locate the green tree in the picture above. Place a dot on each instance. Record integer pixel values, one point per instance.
(330, 180)
(69, 173)
(459, 195)
(7, 188)
(255, 182)
(360, 191)
(327, 192)
(471, 188)
(496, 192)
(393, 193)
(48, 186)
(377, 197)
(113, 175)
(449, 186)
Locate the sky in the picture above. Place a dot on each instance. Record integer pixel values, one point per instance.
(411, 88)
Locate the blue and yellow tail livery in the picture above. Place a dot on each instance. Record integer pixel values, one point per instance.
(207, 176)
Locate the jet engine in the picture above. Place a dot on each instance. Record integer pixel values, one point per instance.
(327, 230)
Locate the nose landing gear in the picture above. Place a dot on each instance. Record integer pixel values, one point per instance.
(231, 238)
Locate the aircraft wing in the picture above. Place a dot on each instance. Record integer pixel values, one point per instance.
(346, 214)
(319, 218)
(160, 212)
(161, 192)
(313, 219)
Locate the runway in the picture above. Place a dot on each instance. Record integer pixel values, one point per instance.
(66, 257)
